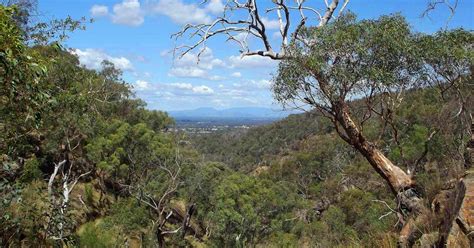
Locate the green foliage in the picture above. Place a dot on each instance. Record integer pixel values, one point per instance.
(89, 194)
(52, 108)
(413, 144)
(339, 232)
(244, 151)
(348, 55)
(123, 149)
(22, 96)
(31, 170)
(247, 209)
(97, 235)
(30, 211)
(129, 215)
(363, 213)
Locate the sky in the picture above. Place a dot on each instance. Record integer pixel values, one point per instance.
(135, 35)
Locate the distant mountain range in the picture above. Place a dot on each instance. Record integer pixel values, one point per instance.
(231, 113)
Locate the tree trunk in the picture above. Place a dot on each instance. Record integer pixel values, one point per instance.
(398, 180)
(410, 203)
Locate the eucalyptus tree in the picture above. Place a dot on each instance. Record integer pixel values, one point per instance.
(326, 65)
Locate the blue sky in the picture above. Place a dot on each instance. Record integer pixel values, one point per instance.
(135, 36)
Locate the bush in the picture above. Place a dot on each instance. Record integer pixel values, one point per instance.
(30, 171)
(94, 234)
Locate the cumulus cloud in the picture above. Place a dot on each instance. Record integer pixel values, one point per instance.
(234, 92)
(92, 59)
(180, 12)
(246, 99)
(203, 90)
(237, 74)
(128, 13)
(190, 66)
(189, 89)
(132, 13)
(271, 23)
(99, 10)
(188, 72)
(262, 83)
(192, 72)
(215, 6)
(206, 61)
(186, 86)
(252, 85)
(250, 62)
(141, 85)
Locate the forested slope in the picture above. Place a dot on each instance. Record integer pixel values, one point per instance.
(305, 151)
(240, 148)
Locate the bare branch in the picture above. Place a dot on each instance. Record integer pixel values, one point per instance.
(433, 4)
(252, 25)
(329, 12)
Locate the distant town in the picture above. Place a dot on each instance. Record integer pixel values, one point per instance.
(213, 125)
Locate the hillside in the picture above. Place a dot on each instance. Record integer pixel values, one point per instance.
(252, 147)
(304, 150)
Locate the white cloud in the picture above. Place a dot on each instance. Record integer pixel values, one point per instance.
(237, 74)
(165, 95)
(246, 99)
(250, 62)
(205, 61)
(203, 90)
(132, 13)
(141, 85)
(190, 66)
(216, 78)
(252, 85)
(186, 86)
(128, 13)
(215, 7)
(99, 10)
(92, 59)
(187, 89)
(182, 13)
(188, 72)
(234, 92)
(193, 72)
(262, 84)
(271, 24)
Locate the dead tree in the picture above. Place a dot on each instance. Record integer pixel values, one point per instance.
(168, 173)
(242, 20)
(59, 205)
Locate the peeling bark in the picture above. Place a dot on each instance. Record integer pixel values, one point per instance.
(410, 203)
(398, 180)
